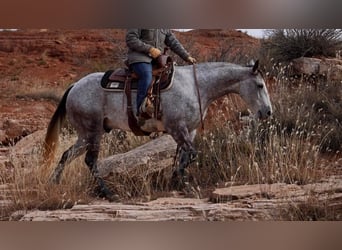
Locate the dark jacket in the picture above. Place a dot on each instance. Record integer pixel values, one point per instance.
(140, 41)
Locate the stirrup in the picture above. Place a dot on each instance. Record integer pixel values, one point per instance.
(147, 107)
(141, 121)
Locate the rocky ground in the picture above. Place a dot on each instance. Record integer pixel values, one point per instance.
(238, 203)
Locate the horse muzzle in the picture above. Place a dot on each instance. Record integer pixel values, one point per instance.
(264, 113)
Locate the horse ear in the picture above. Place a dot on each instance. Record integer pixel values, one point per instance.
(250, 63)
(256, 66)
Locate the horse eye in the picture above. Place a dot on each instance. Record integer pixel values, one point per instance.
(260, 86)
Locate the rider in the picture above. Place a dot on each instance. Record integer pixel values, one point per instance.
(144, 45)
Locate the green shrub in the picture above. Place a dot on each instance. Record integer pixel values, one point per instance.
(287, 44)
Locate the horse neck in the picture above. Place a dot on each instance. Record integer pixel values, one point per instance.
(218, 79)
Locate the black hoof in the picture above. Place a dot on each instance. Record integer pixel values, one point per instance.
(193, 156)
(178, 179)
(180, 172)
(106, 194)
(112, 197)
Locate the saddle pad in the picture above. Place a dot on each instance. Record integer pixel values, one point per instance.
(119, 83)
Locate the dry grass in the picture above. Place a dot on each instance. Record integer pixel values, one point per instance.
(311, 210)
(45, 94)
(258, 155)
(30, 189)
(28, 178)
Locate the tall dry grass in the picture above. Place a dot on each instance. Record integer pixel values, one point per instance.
(28, 178)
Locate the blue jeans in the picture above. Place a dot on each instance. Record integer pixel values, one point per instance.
(144, 71)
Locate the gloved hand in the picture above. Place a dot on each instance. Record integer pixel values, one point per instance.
(154, 52)
(191, 60)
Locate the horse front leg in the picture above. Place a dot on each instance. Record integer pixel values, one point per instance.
(187, 152)
(186, 157)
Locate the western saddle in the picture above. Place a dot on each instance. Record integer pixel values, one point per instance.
(124, 79)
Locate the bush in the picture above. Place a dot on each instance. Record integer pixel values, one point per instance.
(287, 44)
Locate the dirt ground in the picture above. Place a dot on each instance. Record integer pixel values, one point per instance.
(35, 62)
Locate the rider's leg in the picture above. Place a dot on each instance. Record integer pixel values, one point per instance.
(144, 71)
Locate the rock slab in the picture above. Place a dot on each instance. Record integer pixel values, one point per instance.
(156, 154)
(250, 202)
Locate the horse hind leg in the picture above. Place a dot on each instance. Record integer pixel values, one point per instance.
(91, 161)
(69, 155)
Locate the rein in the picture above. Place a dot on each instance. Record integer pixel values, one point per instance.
(199, 96)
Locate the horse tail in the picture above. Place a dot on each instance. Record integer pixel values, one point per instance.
(54, 128)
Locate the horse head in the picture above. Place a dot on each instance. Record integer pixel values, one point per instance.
(254, 92)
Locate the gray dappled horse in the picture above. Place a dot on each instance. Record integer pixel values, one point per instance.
(92, 111)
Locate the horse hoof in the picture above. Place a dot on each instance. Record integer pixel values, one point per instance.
(106, 194)
(113, 198)
(178, 179)
(109, 196)
(179, 173)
